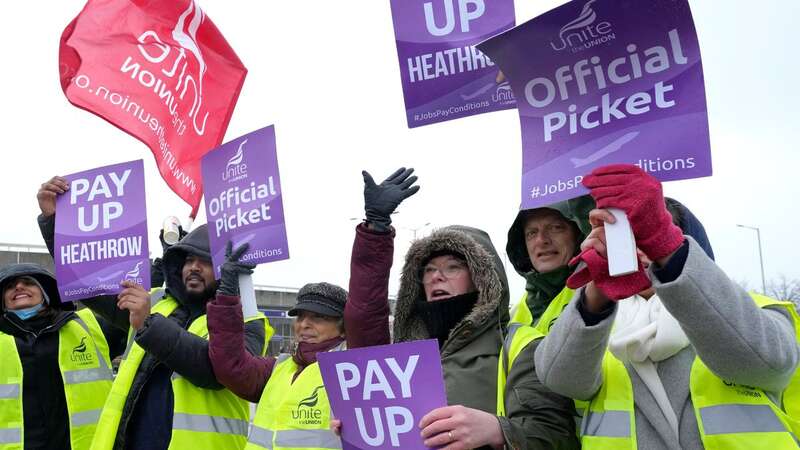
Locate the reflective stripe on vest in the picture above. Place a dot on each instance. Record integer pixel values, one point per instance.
(10, 436)
(86, 377)
(722, 419)
(260, 437)
(9, 391)
(209, 424)
(310, 439)
(203, 419)
(729, 416)
(607, 423)
(517, 338)
(293, 414)
(791, 395)
(10, 394)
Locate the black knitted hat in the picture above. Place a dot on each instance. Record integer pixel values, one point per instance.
(322, 298)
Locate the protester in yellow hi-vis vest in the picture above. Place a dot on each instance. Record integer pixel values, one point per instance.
(686, 358)
(55, 370)
(453, 288)
(541, 242)
(293, 410)
(166, 395)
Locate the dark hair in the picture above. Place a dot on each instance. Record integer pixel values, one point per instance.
(675, 209)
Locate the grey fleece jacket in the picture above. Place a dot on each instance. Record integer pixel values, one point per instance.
(737, 340)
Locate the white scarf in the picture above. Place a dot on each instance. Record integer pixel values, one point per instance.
(645, 333)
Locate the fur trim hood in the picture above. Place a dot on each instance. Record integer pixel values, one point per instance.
(40, 274)
(485, 267)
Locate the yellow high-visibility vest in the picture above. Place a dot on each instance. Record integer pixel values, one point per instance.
(543, 325)
(85, 371)
(729, 416)
(293, 415)
(791, 395)
(518, 337)
(523, 314)
(203, 419)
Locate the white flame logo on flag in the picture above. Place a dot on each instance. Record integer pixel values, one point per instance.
(188, 42)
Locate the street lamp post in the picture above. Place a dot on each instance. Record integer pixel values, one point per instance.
(760, 257)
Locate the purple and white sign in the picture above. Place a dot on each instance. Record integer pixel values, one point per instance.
(603, 82)
(381, 393)
(242, 191)
(444, 76)
(101, 232)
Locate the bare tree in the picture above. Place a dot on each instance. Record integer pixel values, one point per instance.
(784, 288)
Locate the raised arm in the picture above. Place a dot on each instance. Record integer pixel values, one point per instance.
(366, 314)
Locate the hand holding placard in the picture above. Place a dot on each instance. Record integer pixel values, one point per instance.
(136, 300)
(232, 269)
(381, 393)
(639, 195)
(461, 427)
(48, 193)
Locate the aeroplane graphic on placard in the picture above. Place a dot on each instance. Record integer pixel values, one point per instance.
(605, 151)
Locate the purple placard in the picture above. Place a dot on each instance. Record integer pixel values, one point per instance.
(101, 232)
(243, 198)
(603, 82)
(380, 393)
(444, 76)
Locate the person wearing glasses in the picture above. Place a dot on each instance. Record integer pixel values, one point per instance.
(453, 288)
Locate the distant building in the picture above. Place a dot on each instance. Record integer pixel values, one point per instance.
(18, 253)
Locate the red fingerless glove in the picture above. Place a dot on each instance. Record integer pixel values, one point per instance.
(596, 269)
(632, 190)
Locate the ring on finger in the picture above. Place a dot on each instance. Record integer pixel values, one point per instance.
(450, 435)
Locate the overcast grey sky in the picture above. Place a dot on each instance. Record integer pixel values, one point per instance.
(326, 74)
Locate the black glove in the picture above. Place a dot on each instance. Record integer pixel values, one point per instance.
(232, 268)
(381, 200)
(164, 245)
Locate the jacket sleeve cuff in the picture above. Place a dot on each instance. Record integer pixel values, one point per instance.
(591, 319)
(226, 300)
(511, 440)
(156, 331)
(674, 267)
(362, 228)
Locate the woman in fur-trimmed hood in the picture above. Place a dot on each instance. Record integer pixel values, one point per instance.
(471, 342)
(453, 288)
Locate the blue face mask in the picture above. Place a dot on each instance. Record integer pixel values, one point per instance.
(27, 313)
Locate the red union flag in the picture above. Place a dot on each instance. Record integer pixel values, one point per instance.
(159, 70)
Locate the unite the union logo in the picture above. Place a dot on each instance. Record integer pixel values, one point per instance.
(236, 168)
(584, 32)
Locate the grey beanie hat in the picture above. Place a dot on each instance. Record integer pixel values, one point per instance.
(322, 298)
